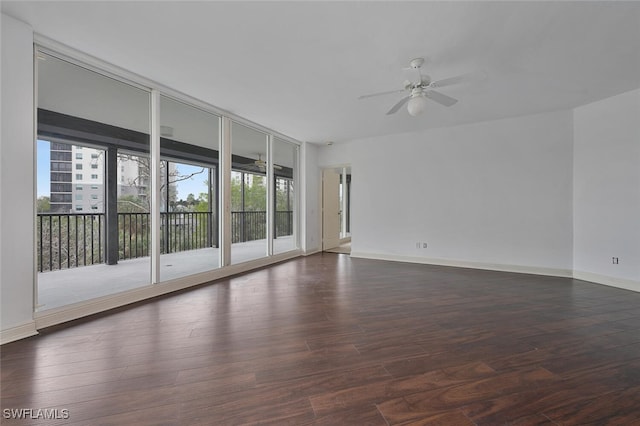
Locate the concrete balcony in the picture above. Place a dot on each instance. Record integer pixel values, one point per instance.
(66, 286)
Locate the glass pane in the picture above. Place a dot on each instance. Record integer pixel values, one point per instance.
(285, 160)
(134, 206)
(248, 194)
(345, 203)
(189, 147)
(85, 121)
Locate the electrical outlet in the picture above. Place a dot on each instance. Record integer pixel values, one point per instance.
(424, 245)
(615, 260)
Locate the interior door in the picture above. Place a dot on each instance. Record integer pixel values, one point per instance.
(330, 209)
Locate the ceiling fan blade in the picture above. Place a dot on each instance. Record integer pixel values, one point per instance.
(381, 93)
(472, 76)
(397, 106)
(440, 98)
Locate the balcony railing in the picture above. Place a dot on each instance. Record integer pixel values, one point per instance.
(251, 226)
(68, 240)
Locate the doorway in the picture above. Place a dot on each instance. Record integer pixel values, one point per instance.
(336, 203)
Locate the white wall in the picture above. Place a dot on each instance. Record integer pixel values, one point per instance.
(16, 182)
(338, 154)
(495, 194)
(607, 190)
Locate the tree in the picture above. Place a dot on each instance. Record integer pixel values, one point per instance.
(255, 192)
(169, 174)
(284, 194)
(132, 204)
(43, 204)
(202, 204)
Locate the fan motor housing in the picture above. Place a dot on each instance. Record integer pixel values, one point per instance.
(417, 91)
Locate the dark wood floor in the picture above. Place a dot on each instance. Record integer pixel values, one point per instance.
(331, 340)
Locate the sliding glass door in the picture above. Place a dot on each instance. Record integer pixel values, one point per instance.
(248, 194)
(285, 167)
(189, 150)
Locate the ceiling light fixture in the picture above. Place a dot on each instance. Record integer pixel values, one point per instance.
(418, 103)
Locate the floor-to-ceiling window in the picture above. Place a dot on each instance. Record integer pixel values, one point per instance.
(86, 122)
(189, 149)
(285, 168)
(248, 193)
(98, 177)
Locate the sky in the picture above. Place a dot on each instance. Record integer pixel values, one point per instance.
(194, 185)
(43, 174)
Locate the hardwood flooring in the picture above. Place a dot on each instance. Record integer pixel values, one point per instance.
(331, 340)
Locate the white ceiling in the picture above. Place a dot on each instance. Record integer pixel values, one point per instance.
(299, 67)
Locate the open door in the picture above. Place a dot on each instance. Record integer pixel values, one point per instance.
(330, 209)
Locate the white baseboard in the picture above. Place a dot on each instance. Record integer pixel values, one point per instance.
(82, 309)
(565, 273)
(312, 251)
(606, 280)
(16, 333)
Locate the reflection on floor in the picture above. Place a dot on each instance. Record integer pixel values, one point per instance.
(344, 248)
(67, 286)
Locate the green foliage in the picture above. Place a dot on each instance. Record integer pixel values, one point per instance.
(132, 204)
(255, 192)
(43, 204)
(202, 203)
(236, 192)
(284, 195)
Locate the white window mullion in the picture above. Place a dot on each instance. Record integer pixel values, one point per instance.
(155, 186)
(224, 224)
(296, 198)
(271, 207)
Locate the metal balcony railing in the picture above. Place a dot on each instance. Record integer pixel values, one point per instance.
(69, 240)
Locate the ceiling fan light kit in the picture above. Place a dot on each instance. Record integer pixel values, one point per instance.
(417, 104)
(422, 90)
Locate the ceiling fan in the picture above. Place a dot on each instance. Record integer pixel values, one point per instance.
(421, 90)
(261, 165)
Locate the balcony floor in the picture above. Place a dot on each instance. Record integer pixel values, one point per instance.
(67, 286)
